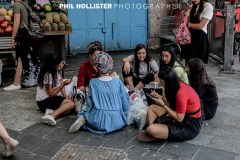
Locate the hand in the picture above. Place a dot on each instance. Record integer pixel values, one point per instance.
(13, 44)
(159, 101)
(155, 94)
(126, 68)
(86, 91)
(66, 82)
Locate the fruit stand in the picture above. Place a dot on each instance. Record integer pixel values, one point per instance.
(6, 15)
(56, 26)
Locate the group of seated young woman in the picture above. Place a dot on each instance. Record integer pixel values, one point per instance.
(190, 94)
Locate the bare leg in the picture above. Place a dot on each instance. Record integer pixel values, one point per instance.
(153, 112)
(129, 81)
(139, 85)
(4, 134)
(66, 106)
(158, 131)
(18, 73)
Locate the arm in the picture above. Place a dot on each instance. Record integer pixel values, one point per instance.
(200, 25)
(177, 116)
(126, 64)
(81, 75)
(16, 24)
(54, 91)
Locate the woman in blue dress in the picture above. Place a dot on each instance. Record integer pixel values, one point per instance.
(107, 101)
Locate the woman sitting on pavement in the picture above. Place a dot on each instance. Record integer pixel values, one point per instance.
(107, 101)
(204, 86)
(167, 58)
(10, 144)
(51, 96)
(183, 106)
(87, 71)
(142, 64)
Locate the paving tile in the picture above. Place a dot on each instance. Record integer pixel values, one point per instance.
(125, 135)
(135, 152)
(76, 152)
(152, 146)
(202, 139)
(39, 157)
(224, 143)
(238, 157)
(60, 135)
(213, 154)
(180, 149)
(39, 129)
(65, 122)
(30, 142)
(115, 144)
(88, 140)
(49, 149)
(154, 155)
(15, 134)
(21, 154)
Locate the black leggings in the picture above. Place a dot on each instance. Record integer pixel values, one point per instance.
(50, 103)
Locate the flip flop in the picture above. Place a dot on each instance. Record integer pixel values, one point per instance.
(144, 137)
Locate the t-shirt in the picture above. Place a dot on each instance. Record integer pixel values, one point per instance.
(181, 72)
(208, 94)
(41, 92)
(187, 100)
(20, 9)
(143, 67)
(85, 74)
(206, 13)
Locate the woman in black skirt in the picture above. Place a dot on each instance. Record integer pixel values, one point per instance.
(27, 69)
(183, 106)
(201, 12)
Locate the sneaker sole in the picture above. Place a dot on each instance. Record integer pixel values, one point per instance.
(75, 127)
(48, 121)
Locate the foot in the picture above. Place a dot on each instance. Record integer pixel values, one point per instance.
(12, 87)
(49, 119)
(77, 125)
(10, 147)
(144, 137)
(48, 112)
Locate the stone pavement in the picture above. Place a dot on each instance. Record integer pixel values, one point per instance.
(219, 138)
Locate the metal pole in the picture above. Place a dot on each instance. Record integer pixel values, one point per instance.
(229, 38)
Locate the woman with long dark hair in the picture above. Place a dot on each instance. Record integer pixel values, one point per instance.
(204, 86)
(137, 66)
(51, 96)
(201, 13)
(183, 106)
(27, 68)
(167, 58)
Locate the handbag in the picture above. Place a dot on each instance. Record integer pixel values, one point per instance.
(184, 36)
(79, 99)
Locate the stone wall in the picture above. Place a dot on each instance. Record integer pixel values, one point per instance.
(155, 11)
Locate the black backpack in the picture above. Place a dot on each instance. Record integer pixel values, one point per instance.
(35, 26)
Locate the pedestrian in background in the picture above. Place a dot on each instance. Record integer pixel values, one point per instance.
(10, 144)
(27, 68)
(201, 12)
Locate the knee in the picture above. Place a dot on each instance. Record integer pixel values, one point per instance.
(151, 130)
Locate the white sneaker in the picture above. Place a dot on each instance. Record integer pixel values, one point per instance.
(48, 112)
(77, 125)
(49, 119)
(10, 147)
(12, 87)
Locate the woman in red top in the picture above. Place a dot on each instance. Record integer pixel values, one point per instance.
(87, 71)
(182, 104)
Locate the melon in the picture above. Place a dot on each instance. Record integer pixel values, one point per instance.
(3, 12)
(10, 13)
(8, 18)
